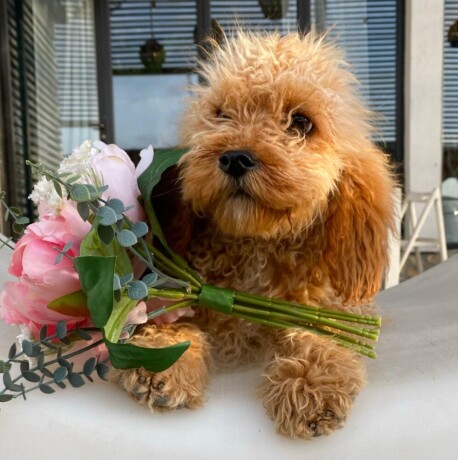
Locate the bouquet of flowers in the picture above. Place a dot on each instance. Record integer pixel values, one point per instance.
(96, 264)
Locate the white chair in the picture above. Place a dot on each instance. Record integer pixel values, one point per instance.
(413, 225)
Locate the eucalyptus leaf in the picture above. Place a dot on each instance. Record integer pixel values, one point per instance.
(43, 332)
(40, 360)
(75, 380)
(103, 370)
(116, 205)
(31, 376)
(57, 187)
(126, 279)
(30, 349)
(22, 220)
(58, 258)
(140, 229)
(138, 290)
(150, 279)
(4, 367)
(9, 385)
(89, 366)
(67, 246)
(116, 282)
(80, 193)
(107, 216)
(24, 366)
(46, 372)
(12, 351)
(17, 228)
(5, 398)
(60, 374)
(61, 330)
(83, 210)
(126, 238)
(44, 388)
(61, 385)
(83, 334)
(106, 234)
(63, 362)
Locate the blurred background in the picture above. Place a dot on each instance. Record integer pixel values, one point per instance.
(118, 70)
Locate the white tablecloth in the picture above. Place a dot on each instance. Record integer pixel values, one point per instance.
(408, 411)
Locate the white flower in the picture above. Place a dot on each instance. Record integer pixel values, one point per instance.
(44, 192)
(146, 158)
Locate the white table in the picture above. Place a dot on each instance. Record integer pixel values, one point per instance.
(408, 411)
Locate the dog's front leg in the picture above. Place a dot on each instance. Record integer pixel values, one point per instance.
(181, 385)
(309, 384)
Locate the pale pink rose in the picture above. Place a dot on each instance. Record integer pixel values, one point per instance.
(40, 280)
(118, 172)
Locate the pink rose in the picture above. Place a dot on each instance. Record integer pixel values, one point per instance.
(118, 172)
(39, 280)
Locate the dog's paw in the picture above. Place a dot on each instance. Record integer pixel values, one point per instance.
(161, 391)
(181, 385)
(310, 397)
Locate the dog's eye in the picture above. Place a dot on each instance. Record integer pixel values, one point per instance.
(220, 114)
(300, 124)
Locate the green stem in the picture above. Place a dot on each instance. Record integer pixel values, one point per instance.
(173, 266)
(175, 306)
(269, 302)
(171, 294)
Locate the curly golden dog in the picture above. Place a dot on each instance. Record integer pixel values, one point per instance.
(283, 194)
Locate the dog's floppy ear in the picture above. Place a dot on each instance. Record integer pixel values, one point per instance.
(359, 220)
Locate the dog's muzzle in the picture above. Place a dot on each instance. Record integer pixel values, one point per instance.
(236, 163)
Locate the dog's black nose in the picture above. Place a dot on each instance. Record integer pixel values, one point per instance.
(237, 162)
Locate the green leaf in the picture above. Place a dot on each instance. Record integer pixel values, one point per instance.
(4, 367)
(46, 389)
(138, 290)
(60, 373)
(127, 356)
(107, 216)
(74, 304)
(126, 238)
(31, 376)
(12, 351)
(162, 160)
(139, 229)
(89, 366)
(83, 210)
(106, 234)
(5, 398)
(80, 193)
(61, 329)
(75, 380)
(96, 278)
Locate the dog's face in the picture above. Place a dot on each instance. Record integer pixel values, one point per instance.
(270, 133)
